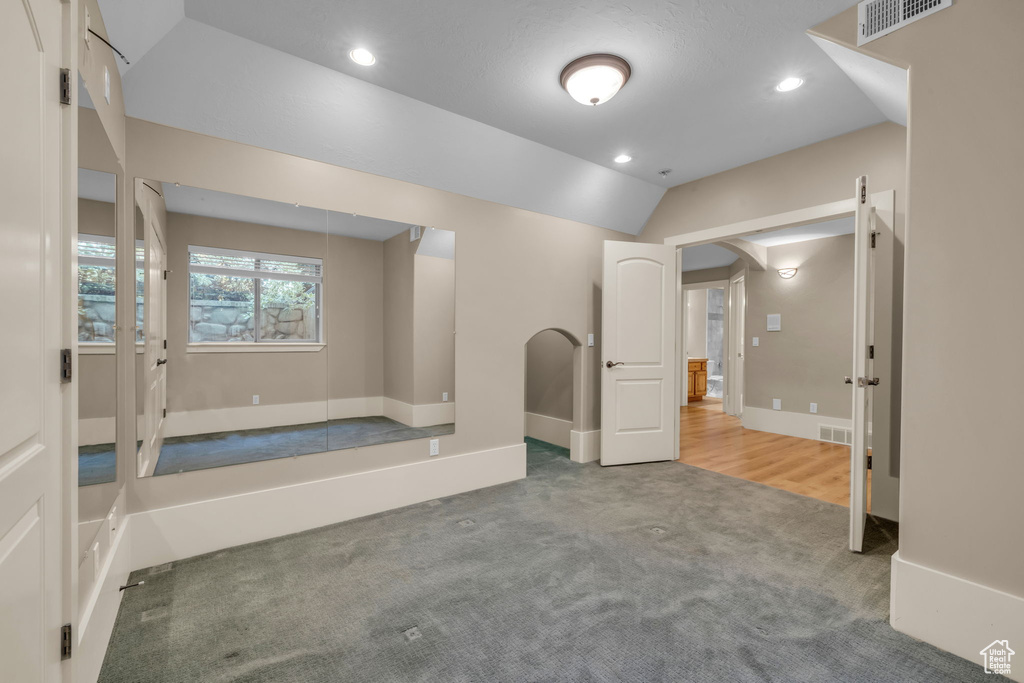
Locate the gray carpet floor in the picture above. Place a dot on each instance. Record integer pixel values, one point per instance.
(658, 572)
(204, 451)
(96, 464)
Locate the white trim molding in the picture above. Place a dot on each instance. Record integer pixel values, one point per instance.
(422, 415)
(175, 533)
(802, 425)
(953, 613)
(96, 430)
(550, 429)
(585, 446)
(188, 422)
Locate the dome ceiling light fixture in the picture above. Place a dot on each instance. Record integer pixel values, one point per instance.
(595, 79)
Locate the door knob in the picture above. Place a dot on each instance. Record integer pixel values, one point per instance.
(161, 361)
(610, 364)
(849, 380)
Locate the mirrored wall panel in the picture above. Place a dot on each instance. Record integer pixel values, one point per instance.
(392, 331)
(234, 367)
(283, 330)
(97, 321)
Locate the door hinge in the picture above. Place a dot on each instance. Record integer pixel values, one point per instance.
(65, 642)
(65, 86)
(874, 236)
(869, 462)
(871, 352)
(863, 194)
(165, 274)
(165, 345)
(165, 412)
(66, 361)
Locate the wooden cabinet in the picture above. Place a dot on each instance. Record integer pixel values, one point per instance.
(697, 379)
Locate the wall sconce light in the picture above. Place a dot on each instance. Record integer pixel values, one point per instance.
(787, 273)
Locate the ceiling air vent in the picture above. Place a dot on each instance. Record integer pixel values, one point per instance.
(877, 18)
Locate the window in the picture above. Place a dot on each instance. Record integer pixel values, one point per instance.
(97, 304)
(248, 297)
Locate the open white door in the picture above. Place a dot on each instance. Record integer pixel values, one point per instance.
(154, 326)
(30, 386)
(639, 383)
(862, 380)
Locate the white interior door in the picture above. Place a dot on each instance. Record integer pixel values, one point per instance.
(737, 344)
(30, 390)
(155, 353)
(639, 383)
(862, 380)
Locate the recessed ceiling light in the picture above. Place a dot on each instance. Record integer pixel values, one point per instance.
(595, 79)
(791, 83)
(362, 56)
(623, 159)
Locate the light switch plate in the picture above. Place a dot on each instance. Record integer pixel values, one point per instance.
(255, 399)
(774, 322)
(814, 407)
(590, 339)
(776, 404)
(757, 341)
(435, 446)
(444, 397)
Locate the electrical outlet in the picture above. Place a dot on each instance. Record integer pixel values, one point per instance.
(776, 404)
(814, 407)
(255, 399)
(444, 397)
(435, 446)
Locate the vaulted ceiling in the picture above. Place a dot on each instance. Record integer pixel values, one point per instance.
(465, 97)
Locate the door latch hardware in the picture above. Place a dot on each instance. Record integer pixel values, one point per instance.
(65, 86)
(865, 382)
(65, 642)
(66, 362)
(610, 364)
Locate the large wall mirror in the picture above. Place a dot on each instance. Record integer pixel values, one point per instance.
(272, 330)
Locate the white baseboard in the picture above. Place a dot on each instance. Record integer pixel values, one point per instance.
(96, 430)
(423, 415)
(97, 617)
(174, 533)
(549, 429)
(184, 423)
(585, 446)
(802, 425)
(955, 614)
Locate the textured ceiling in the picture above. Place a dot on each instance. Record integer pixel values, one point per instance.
(465, 98)
(701, 98)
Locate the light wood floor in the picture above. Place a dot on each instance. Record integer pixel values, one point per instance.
(712, 440)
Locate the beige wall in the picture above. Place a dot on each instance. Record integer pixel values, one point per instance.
(510, 262)
(962, 465)
(355, 317)
(399, 306)
(433, 329)
(93, 58)
(806, 361)
(350, 365)
(96, 373)
(549, 388)
(694, 277)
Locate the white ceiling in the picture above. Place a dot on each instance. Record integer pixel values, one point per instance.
(465, 97)
(714, 256)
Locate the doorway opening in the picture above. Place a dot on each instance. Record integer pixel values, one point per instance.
(790, 420)
(551, 408)
(703, 372)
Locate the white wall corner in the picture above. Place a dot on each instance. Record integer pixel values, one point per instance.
(955, 614)
(585, 446)
(549, 429)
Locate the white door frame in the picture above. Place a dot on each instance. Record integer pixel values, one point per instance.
(683, 355)
(737, 311)
(880, 201)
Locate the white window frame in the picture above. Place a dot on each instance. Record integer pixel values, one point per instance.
(94, 348)
(257, 344)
